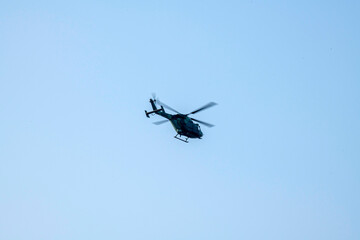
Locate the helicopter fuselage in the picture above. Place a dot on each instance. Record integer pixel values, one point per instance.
(183, 125)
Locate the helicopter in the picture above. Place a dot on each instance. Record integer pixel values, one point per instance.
(183, 125)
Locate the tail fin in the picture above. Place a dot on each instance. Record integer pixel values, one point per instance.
(159, 111)
(153, 104)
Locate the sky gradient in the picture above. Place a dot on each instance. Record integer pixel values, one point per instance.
(79, 159)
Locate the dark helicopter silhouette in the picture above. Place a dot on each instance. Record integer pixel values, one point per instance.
(183, 125)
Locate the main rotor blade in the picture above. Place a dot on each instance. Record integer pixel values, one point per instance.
(160, 122)
(204, 123)
(210, 104)
(166, 106)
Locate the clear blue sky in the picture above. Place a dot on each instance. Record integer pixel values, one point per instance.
(79, 159)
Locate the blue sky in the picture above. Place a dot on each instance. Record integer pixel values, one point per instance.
(79, 159)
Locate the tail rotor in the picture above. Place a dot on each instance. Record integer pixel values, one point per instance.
(154, 98)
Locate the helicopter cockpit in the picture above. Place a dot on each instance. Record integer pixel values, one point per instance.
(198, 129)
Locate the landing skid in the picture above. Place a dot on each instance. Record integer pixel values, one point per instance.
(184, 140)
